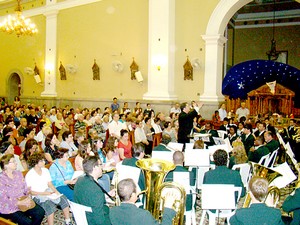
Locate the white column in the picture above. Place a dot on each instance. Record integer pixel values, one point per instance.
(161, 53)
(214, 45)
(50, 52)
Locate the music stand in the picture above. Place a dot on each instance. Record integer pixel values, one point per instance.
(196, 158)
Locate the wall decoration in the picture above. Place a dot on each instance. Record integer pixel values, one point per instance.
(96, 71)
(134, 67)
(62, 72)
(282, 57)
(188, 70)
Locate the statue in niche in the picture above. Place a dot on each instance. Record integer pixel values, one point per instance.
(133, 68)
(36, 70)
(188, 70)
(96, 71)
(62, 72)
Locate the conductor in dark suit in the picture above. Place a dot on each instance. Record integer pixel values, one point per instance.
(258, 213)
(185, 122)
(128, 214)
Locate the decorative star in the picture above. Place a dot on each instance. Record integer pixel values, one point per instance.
(241, 85)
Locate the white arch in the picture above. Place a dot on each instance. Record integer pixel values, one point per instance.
(214, 44)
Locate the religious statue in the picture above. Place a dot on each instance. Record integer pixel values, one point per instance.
(62, 72)
(133, 68)
(96, 71)
(188, 70)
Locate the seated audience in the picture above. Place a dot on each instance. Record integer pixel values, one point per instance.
(51, 146)
(112, 144)
(124, 145)
(43, 191)
(30, 148)
(13, 187)
(225, 126)
(88, 192)
(61, 172)
(135, 216)
(261, 129)
(67, 142)
(115, 126)
(139, 134)
(170, 131)
(28, 134)
(258, 213)
(7, 148)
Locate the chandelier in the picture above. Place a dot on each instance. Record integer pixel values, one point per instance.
(273, 54)
(18, 24)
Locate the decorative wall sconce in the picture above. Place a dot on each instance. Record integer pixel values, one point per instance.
(188, 70)
(134, 67)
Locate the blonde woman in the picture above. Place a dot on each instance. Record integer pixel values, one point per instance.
(239, 155)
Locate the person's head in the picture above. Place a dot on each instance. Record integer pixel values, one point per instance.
(92, 165)
(223, 106)
(261, 127)
(115, 100)
(259, 140)
(138, 150)
(184, 107)
(220, 157)
(116, 117)
(127, 190)
(7, 148)
(247, 128)
(178, 158)
(225, 121)
(232, 130)
(268, 136)
(111, 142)
(50, 140)
(36, 159)
(67, 136)
(31, 145)
(59, 116)
(79, 136)
(267, 120)
(199, 144)
(139, 123)
(167, 125)
(239, 152)
(62, 153)
(10, 122)
(138, 104)
(166, 139)
(243, 104)
(46, 130)
(292, 122)
(97, 144)
(258, 187)
(124, 134)
(8, 162)
(93, 133)
(84, 148)
(147, 121)
(23, 122)
(28, 133)
(208, 126)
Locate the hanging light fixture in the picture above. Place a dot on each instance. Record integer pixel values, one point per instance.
(18, 24)
(273, 54)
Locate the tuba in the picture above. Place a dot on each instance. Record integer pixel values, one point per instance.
(273, 192)
(155, 171)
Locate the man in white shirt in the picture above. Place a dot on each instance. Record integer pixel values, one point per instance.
(242, 111)
(176, 108)
(116, 126)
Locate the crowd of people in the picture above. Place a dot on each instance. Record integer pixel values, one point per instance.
(86, 141)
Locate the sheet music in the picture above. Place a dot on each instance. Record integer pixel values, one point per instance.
(287, 176)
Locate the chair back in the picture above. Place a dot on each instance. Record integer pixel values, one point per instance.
(222, 133)
(156, 139)
(175, 146)
(264, 160)
(183, 178)
(271, 160)
(244, 170)
(79, 212)
(164, 155)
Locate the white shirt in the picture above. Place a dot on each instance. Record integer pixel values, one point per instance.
(115, 127)
(222, 113)
(38, 183)
(242, 112)
(139, 135)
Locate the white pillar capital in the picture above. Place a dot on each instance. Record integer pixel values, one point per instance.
(214, 39)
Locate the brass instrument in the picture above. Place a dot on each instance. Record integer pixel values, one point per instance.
(270, 175)
(178, 206)
(155, 171)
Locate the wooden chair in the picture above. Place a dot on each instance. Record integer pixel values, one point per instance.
(72, 129)
(156, 139)
(131, 136)
(54, 128)
(87, 128)
(72, 161)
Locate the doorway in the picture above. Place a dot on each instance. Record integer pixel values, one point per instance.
(14, 87)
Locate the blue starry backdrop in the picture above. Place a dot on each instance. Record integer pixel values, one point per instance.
(250, 75)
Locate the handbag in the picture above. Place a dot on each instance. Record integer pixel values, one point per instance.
(25, 203)
(71, 186)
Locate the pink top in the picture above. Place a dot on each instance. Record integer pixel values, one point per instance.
(127, 149)
(10, 190)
